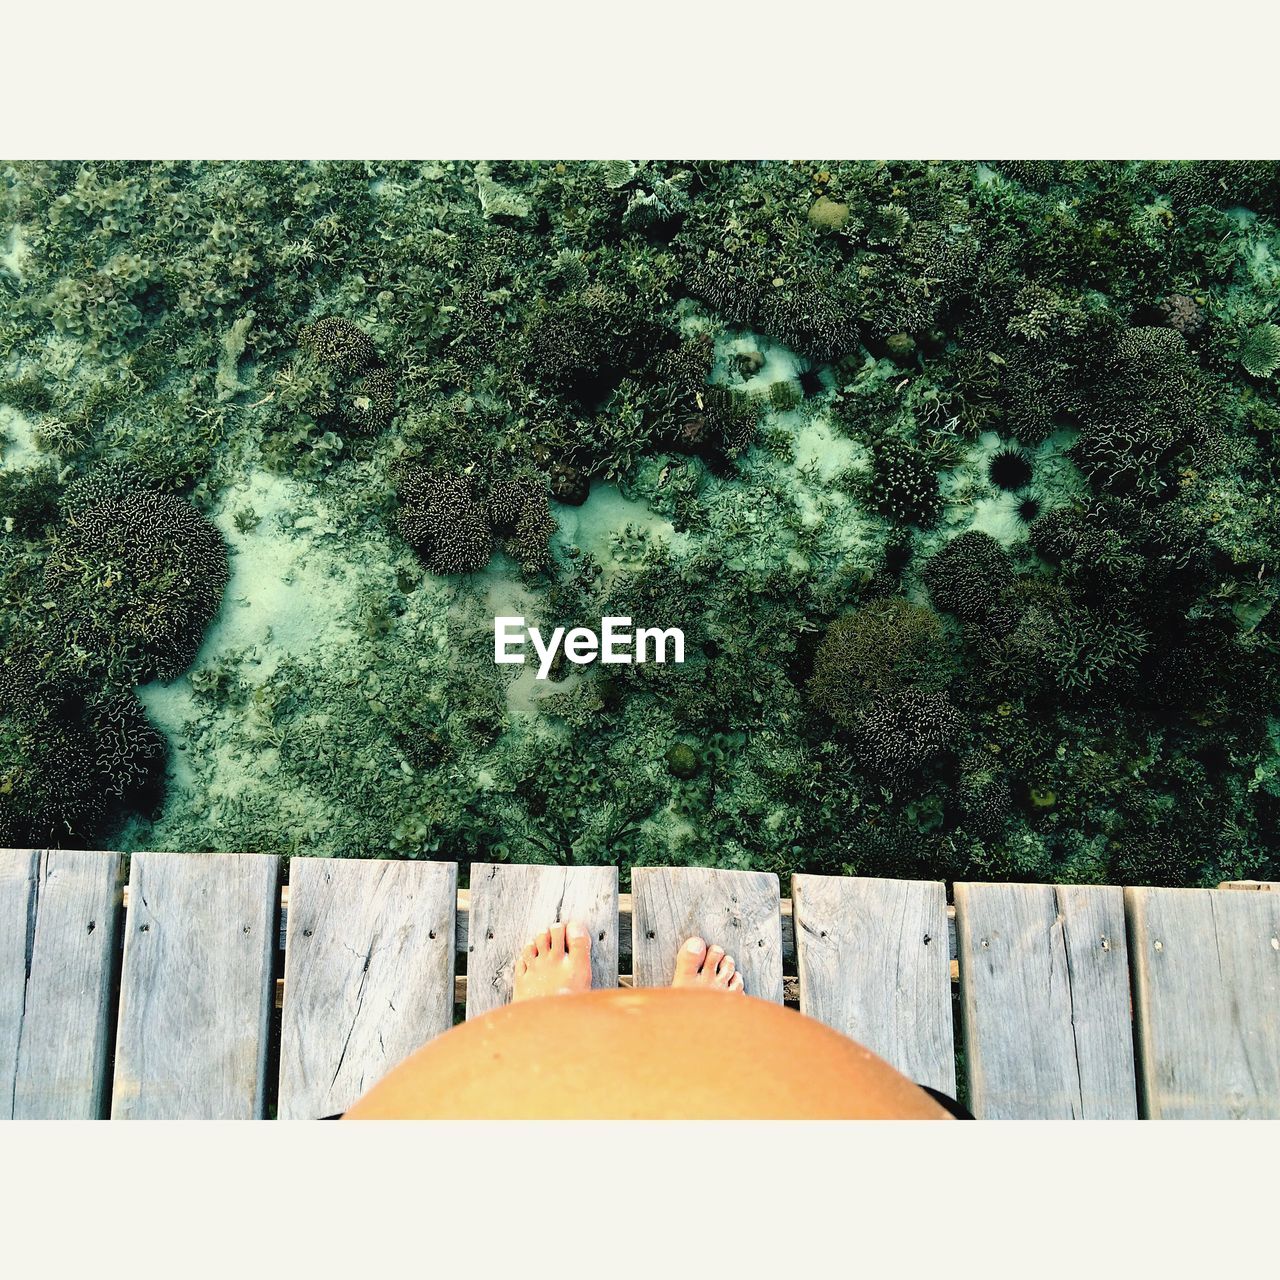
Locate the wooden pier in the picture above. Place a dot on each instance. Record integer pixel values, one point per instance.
(205, 988)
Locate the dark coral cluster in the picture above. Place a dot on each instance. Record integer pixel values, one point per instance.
(71, 757)
(454, 530)
(135, 576)
(443, 521)
(904, 486)
(359, 394)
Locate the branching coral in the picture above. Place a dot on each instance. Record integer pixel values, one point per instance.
(518, 510)
(902, 732)
(339, 345)
(135, 577)
(983, 795)
(879, 649)
(370, 403)
(1260, 351)
(903, 486)
(1152, 399)
(969, 576)
(442, 520)
(811, 318)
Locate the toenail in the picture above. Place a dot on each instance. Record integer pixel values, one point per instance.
(694, 944)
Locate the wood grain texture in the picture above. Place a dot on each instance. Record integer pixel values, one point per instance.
(1206, 1002)
(739, 910)
(59, 925)
(511, 903)
(624, 930)
(874, 965)
(368, 978)
(197, 988)
(1044, 983)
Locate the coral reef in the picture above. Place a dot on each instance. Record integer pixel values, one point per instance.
(881, 648)
(958, 477)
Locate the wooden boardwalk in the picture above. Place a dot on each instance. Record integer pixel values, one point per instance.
(204, 987)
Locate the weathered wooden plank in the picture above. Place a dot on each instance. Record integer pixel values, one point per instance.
(874, 965)
(197, 987)
(59, 924)
(1044, 983)
(1206, 1002)
(624, 928)
(369, 970)
(511, 903)
(738, 910)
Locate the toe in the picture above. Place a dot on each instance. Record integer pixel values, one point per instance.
(529, 954)
(579, 939)
(724, 974)
(712, 963)
(557, 939)
(544, 942)
(736, 983)
(689, 960)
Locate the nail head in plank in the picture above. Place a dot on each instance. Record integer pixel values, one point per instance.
(369, 970)
(738, 910)
(1044, 984)
(197, 988)
(59, 925)
(511, 903)
(874, 964)
(1207, 1001)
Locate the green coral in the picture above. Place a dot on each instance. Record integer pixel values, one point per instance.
(880, 648)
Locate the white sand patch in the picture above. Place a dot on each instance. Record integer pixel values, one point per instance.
(607, 523)
(291, 592)
(18, 449)
(507, 597)
(972, 502)
(13, 257)
(818, 450)
(780, 363)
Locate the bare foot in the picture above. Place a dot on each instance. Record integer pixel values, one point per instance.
(698, 965)
(555, 962)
